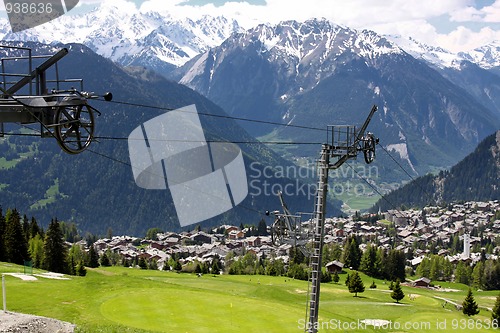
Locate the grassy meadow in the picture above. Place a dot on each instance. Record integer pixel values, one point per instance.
(118, 299)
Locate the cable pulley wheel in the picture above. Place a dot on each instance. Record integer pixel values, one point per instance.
(74, 127)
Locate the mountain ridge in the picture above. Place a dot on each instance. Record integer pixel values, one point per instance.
(142, 32)
(475, 178)
(321, 70)
(96, 189)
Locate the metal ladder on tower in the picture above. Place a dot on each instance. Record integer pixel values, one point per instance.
(344, 144)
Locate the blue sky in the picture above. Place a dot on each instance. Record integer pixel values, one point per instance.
(458, 25)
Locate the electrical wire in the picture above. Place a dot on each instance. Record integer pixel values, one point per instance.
(118, 138)
(212, 141)
(373, 187)
(407, 173)
(131, 166)
(155, 107)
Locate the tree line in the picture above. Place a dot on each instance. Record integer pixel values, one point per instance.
(24, 242)
(485, 274)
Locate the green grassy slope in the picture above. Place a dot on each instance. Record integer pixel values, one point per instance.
(119, 299)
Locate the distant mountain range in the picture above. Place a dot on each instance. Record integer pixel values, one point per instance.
(434, 106)
(96, 188)
(158, 40)
(316, 73)
(152, 39)
(475, 178)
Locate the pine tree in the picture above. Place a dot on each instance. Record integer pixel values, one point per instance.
(177, 266)
(35, 229)
(54, 249)
(356, 284)
(394, 265)
(215, 267)
(80, 269)
(352, 253)
(495, 315)
(16, 248)
(477, 275)
(397, 293)
(26, 228)
(142, 263)
(461, 273)
(105, 260)
(35, 249)
(262, 228)
(469, 305)
(368, 261)
(2, 237)
(335, 277)
(93, 258)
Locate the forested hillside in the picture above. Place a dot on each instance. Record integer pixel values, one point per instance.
(474, 178)
(96, 189)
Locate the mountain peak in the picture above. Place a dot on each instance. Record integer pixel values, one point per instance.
(487, 56)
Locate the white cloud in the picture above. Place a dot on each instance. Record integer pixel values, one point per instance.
(464, 39)
(489, 14)
(403, 17)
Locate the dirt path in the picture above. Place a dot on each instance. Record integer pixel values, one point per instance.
(11, 322)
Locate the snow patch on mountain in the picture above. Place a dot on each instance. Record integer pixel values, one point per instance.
(119, 31)
(125, 34)
(402, 150)
(436, 56)
(487, 56)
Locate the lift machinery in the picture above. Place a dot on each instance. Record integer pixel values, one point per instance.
(63, 114)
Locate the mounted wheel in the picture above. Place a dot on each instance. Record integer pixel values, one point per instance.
(74, 127)
(369, 149)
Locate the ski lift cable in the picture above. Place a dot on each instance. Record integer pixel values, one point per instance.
(429, 196)
(156, 175)
(155, 107)
(373, 187)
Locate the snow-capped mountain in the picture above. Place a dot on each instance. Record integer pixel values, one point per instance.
(127, 36)
(279, 72)
(303, 53)
(436, 56)
(487, 56)
(303, 73)
(119, 31)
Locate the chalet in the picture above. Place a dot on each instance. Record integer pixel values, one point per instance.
(338, 232)
(253, 241)
(397, 217)
(334, 266)
(201, 237)
(236, 234)
(422, 283)
(483, 206)
(416, 261)
(159, 245)
(229, 228)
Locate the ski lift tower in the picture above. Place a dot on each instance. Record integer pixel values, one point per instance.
(344, 143)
